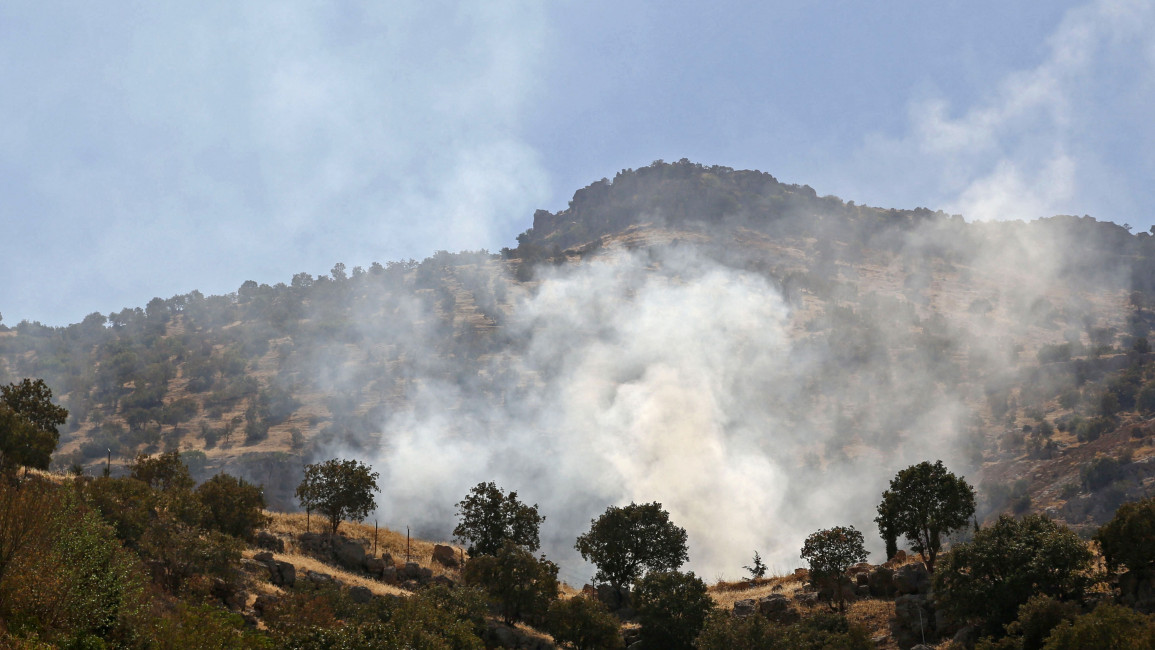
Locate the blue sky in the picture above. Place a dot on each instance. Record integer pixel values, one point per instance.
(149, 149)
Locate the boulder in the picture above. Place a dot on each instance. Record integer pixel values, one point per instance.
(360, 594)
(319, 579)
(913, 621)
(881, 582)
(283, 574)
(374, 566)
(808, 598)
(259, 569)
(264, 556)
(445, 555)
(772, 604)
(269, 541)
(349, 555)
(263, 603)
(389, 575)
(744, 608)
(912, 579)
(312, 543)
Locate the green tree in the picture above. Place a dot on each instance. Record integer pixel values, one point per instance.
(521, 585)
(830, 553)
(489, 517)
(628, 541)
(28, 424)
(988, 579)
(339, 489)
(584, 623)
(1109, 627)
(163, 472)
(232, 505)
(758, 569)
(672, 608)
(924, 503)
(1129, 538)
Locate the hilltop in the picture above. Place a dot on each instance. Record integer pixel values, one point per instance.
(680, 332)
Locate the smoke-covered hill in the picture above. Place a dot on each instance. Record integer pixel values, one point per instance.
(759, 359)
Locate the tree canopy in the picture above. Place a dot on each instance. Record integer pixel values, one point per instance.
(626, 542)
(28, 424)
(489, 517)
(339, 489)
(925, 502)
(1129, 538)
(831, 552)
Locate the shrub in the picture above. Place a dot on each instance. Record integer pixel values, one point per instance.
(232, 505)
(830, 553)
(988, 579)
(521, 585)
(584, 623)
(1109, 626)
(164, 472)
(817, 632)
(1129, 538)
(672, 608)
(1100, 472)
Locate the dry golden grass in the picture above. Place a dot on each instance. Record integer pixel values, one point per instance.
(305, 563)
(875, 614)
(725, 594)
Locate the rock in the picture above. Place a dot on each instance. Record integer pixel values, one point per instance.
(912, 579)
(389, 575)
(269, 541)
(319, 578)
(773, 604)
(283, 574)
(312, 543)
(374, 566)
(256, 568)
(264, 556)
(445, 555)
(744, 608)
(264, 602)
(350, 555)
(881, 582)
(808, 598)
(913, 620)
(360, 594)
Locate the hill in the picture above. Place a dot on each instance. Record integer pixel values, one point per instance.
(758, 358)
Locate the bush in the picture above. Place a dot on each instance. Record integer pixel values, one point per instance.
(1129, 538)
(672, 608)
(164, 472)
(233, 506)
(521, 585)
(987, 580)
(830, 553)
(1109, 626)
(584, 623)
(817, 632)
(1100, 472)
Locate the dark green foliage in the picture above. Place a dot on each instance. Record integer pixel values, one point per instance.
(1128, 540)
(489, 518)
(1100, 472)
(1145, 399)
(163, 472)
(1109, 627)
(520, 585)
(233, 506)
(584, 623)
(672, 607)
(339, 489)
(29, 424)
(125, 503)
(204, 626)
(988, 579)
(924, 503)
(830, 553)
(814, 632)
(628, 541)
(1037, 617)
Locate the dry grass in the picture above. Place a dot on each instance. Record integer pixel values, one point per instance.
(305, 563)
(875, 614)
(725, 594)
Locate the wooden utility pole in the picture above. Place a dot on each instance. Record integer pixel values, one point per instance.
(374, 537)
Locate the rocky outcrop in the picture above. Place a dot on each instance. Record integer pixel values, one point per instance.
(445, 555)
(914, 621)
(912, 579)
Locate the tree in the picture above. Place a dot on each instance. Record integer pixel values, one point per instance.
(28, 424)
(830, 553)
(672, 608)
(924, 503)
(521, 585)
(626, 542)
(338, 489)
(986, 580)
(1109, 626)
(584, 623)
(489, 517)
(1129, 538)
(758, 569)
(164, 472)
(232, 505)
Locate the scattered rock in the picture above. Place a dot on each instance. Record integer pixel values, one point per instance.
(808, 598)
(912, 579)
(913, 620)
(445, 555)
(349, 554)
(744, 608)
(374, 566)
(264, 602)
(255, 567)
(264, 556)
(269, 541)
(360, 594)
(389, 575)
(319, 578)
(284, 574)
(881, 582)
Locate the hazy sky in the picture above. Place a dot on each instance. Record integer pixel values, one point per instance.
(149, 149)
